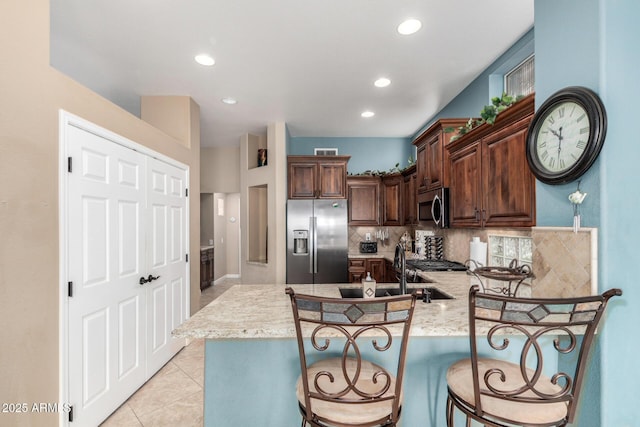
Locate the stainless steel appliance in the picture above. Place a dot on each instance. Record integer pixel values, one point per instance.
(435, 265)
(317, 241)
(433, 208)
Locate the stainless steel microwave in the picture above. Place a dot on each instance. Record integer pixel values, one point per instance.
(433, 208)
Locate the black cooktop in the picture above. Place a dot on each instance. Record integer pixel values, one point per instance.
(435, 265)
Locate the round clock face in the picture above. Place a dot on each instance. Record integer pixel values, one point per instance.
(563, 135)
(566, 135)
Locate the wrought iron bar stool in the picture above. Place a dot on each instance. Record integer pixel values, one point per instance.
(338, 386)
(514, 384)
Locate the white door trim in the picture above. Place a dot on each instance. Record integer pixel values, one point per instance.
(67, 119)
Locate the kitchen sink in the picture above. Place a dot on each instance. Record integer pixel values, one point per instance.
(434, 293)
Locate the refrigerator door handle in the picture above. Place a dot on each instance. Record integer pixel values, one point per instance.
(315, 244)
(312, 243)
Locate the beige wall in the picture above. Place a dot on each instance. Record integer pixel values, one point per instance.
(31, 94)
(220, 235)
(233, 234)
(274, 175)
(206, 218)
(220, 169)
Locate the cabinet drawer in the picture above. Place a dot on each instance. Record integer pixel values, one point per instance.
(357, 263)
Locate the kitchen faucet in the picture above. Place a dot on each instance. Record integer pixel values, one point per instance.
(400, 262)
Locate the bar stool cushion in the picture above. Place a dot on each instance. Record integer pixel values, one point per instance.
(459, 379)
(347, 413)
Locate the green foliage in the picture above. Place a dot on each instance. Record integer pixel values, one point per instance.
(488, 114)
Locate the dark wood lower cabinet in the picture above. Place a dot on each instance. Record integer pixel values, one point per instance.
(206, 268)
(358, 268)
(389, 272)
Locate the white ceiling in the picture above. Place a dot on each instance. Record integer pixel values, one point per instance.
(308, 63)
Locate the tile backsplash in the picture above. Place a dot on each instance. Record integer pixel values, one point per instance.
(388, 245)
(564, 263)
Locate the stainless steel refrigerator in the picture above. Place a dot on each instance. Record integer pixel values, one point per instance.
(317, 241)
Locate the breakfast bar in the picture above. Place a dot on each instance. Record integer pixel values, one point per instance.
(251, 356)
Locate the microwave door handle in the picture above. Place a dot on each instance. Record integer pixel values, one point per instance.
(433, 212)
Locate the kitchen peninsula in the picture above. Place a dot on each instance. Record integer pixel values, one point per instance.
(251, 355)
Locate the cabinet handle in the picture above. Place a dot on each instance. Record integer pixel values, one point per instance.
(476, 214)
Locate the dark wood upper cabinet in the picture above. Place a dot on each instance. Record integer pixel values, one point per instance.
(393, 199)
(364, 200)
(317, 177)
(409, 188)
(508, 183)
(432, 158)
(491, 184)
(464, 186)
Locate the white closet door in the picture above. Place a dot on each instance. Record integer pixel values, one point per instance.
(106, 202)
(167, 295)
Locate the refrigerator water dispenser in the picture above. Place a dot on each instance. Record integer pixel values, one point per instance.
(301, 242)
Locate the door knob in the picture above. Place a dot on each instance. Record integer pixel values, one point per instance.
(151, 278)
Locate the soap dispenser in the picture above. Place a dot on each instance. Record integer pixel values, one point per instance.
(368, 286)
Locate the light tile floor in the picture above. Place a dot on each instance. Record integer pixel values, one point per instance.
(174, 395)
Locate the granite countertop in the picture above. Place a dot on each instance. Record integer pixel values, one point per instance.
(385, 255)
(264, 311)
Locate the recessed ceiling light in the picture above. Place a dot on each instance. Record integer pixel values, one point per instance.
(409, 26)
(382, 82)
(367, 114)
(229, 101)
(204, 59)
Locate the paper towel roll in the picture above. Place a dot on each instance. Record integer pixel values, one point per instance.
(477, 253)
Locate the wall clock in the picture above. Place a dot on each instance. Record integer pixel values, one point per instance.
(566, 135)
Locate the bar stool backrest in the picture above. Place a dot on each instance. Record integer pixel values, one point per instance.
(344, 330)
(523, 330)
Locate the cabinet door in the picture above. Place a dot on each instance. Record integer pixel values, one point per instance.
(390, 272)
(421, 165)
(410, 207)
(357, 269)
(302, 180)
(434, 172)
(364, 200)
(332, 180)
(376, 267)
(464, 194)
(393, 200)
(507, 182)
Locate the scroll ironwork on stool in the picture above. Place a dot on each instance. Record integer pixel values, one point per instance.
(514, 276)
(337, 385)
(527, 361)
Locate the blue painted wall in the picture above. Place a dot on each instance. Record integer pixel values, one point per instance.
(366, 153)
(593, 43)
(567, 55)
(251, 382)
(620, 231)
